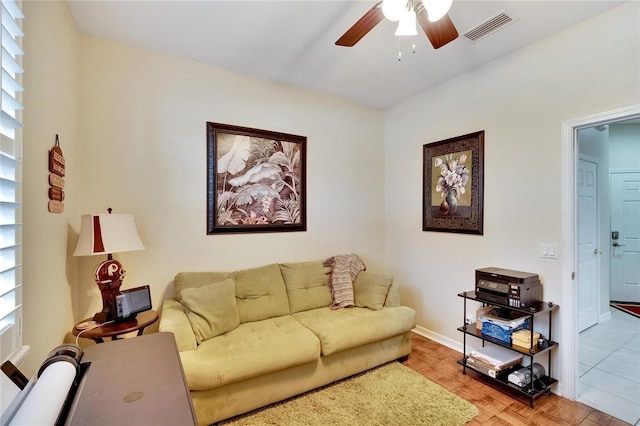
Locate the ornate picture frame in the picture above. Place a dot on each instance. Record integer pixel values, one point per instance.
(453, 181)
(256, 180)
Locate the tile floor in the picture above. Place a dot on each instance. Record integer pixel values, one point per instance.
(609, 355)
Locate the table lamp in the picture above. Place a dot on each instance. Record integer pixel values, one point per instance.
(107, 234)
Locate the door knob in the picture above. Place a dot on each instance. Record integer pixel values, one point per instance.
(615, 244)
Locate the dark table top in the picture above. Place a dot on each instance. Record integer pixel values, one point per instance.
(135, 381)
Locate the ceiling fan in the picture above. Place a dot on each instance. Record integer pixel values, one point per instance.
(431, 14)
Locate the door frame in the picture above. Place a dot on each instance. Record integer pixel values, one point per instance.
(568, 314)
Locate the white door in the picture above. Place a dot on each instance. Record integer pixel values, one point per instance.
(625, 237)
(588, 250)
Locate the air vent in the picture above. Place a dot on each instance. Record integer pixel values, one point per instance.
(490, 26)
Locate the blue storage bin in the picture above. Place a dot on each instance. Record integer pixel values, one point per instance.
(502, 332)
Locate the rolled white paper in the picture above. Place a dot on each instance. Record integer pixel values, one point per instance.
(44, 403)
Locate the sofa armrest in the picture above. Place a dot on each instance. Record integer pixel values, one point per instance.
(174, 320)
(393, 296)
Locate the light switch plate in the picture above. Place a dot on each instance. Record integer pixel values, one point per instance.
(548, 251)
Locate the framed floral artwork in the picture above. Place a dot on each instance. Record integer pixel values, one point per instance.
(453, 182)
(256, 180)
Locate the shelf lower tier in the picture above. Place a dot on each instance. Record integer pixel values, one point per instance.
(540, 387)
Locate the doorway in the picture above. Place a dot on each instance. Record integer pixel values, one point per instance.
(570, 293)
(608, 229)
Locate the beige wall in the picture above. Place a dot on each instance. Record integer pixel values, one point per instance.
(133, 133)
(520, 101)
(51, 102)
(132, 126)
(143, 151)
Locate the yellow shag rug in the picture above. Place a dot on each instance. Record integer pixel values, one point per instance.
(391, 394)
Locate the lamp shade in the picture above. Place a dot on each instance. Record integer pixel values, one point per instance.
(436, 9)
(407, 24)
(393, 9)
(107, 233)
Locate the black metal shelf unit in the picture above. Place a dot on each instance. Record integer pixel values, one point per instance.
(537, 387)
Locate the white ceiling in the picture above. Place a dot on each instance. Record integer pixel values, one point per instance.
(292, 42)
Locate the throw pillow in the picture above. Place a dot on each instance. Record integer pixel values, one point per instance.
(184, 280)
(370, 289)
(212, 309)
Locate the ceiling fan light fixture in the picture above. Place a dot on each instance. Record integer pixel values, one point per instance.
(439, 34)
(436, 9)
(407, 24)
(394, 9)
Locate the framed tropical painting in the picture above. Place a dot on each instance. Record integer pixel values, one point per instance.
(453, 181)
(256, 180)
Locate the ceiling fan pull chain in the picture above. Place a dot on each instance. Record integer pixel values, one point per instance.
(411, 47)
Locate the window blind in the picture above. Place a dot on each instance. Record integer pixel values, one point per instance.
(10, 188)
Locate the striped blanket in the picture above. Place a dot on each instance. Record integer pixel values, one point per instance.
(344, 269)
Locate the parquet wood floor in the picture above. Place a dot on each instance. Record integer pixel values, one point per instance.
(439, 364)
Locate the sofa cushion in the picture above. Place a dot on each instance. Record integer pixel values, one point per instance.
(307, 285)
(370, 289)
(260, 293)
(184, 280)
(342, 329)
(211, 309)
(251, 350)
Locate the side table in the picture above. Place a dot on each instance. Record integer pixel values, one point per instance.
(115, 329)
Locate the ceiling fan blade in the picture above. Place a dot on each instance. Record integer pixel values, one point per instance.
(440, 32)
(362, 27)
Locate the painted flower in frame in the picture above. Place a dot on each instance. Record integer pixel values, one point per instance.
(454, 175)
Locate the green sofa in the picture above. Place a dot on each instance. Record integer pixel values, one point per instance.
(253, 337)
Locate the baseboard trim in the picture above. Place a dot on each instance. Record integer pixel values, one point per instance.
(439, 338)
(605, 316)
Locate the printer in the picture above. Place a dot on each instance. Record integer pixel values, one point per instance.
(507, 287)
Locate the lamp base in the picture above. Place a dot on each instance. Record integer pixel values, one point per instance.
(102, 317)
(109, 275)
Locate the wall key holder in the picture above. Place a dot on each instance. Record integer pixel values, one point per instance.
(56, 178)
